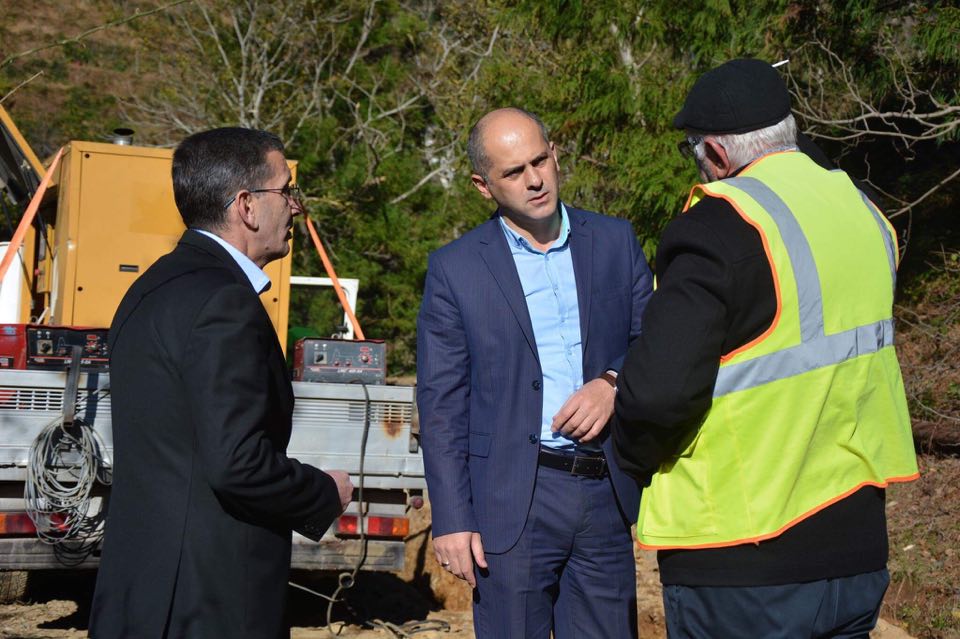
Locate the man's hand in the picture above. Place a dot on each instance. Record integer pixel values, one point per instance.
(344, 487)
(585, 413)
(457, 552)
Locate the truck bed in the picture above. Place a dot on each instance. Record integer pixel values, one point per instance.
(328, 424)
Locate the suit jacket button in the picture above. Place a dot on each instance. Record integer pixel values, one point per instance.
(536, 384)
(533, 438)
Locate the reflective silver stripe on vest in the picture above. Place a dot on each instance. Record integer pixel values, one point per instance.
(826, 350)
(887, 238)
(816, 349)
(809, 296)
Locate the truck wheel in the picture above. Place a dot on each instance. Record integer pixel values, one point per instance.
(13, 585)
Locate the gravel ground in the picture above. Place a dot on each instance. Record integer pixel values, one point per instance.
(58, 608)
(423, 599)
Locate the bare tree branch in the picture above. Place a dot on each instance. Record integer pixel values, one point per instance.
(930, 192)
(416, 187)
(852, 114)
(19, 86)
(80, 36)
(935, 122)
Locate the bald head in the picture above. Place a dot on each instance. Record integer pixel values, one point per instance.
(498, 122)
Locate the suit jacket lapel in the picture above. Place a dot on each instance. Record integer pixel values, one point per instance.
(496, 254)
(581, 250)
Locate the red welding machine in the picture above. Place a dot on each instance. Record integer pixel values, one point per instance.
(40, 347)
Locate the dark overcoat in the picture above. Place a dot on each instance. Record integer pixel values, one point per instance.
(204, 498)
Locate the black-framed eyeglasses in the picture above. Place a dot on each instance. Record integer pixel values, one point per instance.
(290, 191)
(687, 146)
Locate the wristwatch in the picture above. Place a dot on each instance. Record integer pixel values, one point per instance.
(610, 377)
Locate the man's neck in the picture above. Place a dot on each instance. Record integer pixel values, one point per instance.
(238, 241)
(540, 233)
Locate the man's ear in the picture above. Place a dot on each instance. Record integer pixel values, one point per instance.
(717, 155)
(244, 210)
(481, 185)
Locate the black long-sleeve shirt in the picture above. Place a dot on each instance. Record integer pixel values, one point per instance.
(715, 294)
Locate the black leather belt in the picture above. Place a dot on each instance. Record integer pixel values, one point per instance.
(580, 465)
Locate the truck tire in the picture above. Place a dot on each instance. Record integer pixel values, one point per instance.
(13, 585)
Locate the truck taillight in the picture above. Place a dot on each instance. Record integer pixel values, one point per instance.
(375, 526)
(16, 524)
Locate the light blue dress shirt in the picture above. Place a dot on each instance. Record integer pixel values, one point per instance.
(550, 290)
(258, 279)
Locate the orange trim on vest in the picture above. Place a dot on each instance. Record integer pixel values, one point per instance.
(686, 205)
(788, 525)
(762, 158)
(773, 269)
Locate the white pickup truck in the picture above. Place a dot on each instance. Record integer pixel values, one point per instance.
(329, 422)
(108, 215)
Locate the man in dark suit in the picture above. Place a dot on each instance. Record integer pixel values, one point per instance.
(524, 323)
(204, 497)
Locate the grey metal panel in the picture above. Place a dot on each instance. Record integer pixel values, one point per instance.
(328, 424)
(329, 420)
(342, 554)
(327, 554)
(33, 554)
(30, 400)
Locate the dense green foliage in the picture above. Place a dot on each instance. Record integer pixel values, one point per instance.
(375, 99)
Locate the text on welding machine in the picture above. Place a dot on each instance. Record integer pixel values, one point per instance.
(340, 361)
(41, 347)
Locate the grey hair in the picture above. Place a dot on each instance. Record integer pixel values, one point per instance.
(744, 148)
(479, 161)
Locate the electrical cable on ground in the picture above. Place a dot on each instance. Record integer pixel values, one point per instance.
(347, 579)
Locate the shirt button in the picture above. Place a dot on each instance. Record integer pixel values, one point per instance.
(533, 438)
(535, 384)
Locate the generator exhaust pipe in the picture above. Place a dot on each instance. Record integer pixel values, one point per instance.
(122, 136)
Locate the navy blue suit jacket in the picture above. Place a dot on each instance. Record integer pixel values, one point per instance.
(479, 378)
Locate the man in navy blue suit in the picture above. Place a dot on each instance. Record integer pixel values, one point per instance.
(524, 324)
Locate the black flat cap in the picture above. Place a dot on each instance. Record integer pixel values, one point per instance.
(738, 96)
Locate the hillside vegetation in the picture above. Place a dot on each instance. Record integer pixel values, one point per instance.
(375, 98)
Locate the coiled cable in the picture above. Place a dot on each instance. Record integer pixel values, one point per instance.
(64, 464)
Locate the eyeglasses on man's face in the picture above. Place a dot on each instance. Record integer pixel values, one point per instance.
(290, 191)
(687, 146)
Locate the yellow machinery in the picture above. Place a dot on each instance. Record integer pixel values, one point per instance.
(113, 215)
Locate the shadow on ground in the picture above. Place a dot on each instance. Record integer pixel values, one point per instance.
(375, 596)
(73, 585)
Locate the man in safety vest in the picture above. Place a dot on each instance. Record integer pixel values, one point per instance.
(763, 404)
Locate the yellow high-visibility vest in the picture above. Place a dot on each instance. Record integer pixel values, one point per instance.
(813, 409)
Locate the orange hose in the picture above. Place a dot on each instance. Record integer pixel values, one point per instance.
(28, 216)
(344, 302)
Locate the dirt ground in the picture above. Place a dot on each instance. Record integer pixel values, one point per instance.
(423, 602)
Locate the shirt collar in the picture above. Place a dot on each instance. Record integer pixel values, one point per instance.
(258, 279)
(517, 241)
